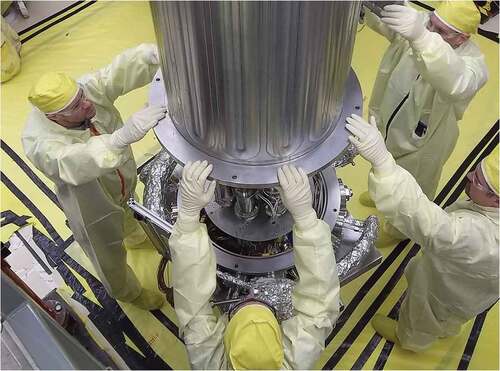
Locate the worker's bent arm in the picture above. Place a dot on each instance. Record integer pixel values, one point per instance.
(398, 196)
(130, 70)
(455, 77)
(194, 281)
(74, 163)
(374, 22)
(315, 296)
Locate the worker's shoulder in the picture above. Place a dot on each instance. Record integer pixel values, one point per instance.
(39, 129)
(35, 124)
(474, 222)
(94, 89)
(470, 49)
(475, 241)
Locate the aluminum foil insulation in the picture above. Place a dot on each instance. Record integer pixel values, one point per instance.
(275, 292)
(362, 248)
(155, 177)
(346, 157)
(233, 280)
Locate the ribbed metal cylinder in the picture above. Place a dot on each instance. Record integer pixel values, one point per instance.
(255, 82)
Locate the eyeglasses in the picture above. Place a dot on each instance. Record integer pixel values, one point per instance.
(75, 105)
(473, 178)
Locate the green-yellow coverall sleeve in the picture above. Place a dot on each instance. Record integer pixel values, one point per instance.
(130, 70)
(74, 163)
(398, 196)
(374, 22)
(315, 297)
(452, 75)
(194, 281)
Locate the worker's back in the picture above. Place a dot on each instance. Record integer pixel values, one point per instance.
(463, 274)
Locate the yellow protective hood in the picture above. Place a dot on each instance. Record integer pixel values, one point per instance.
(463, 16)
(253, 339)
(53, 92)
(489, 166)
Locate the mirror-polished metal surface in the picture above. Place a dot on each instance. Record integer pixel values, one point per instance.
(257, 175)
(255, 83)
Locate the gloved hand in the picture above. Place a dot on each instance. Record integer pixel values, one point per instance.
(368, 140)
(136, 127)
(296, 195)
(404, 20)
(152, 55)
(196, 192)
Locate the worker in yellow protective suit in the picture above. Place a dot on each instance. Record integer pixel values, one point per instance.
(76, 137)
(426, 79)
(11, 48)
(456, 277)
(252, 338)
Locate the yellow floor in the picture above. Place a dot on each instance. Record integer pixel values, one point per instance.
(88, 40)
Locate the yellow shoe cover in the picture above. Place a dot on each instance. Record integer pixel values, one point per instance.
(388, 236)
(149, 300)
(366, 200)
(385, 240)
(385, 327)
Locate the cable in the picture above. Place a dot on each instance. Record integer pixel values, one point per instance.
(160, 277)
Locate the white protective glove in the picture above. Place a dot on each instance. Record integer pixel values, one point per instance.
(369, 142)
(296, 195)
(136, 127)
(196, 191)
(404, 20)
(152, 55)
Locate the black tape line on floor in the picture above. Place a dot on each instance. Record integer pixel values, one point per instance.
(35, 25)
(32, 208)
(372, 309)
(160, 316)
(9, 217)
(35, 179)
(30, 173)
(370, 282)
(461, 171)
(335, 358)
(61, 245)
(57, 21)
(488, 34)
(386, 351)
(473, 339)
(108, 317)
(366, 352)
(33, 253)
(112, 317)
(386, 263)
(116, 319)
(382, 358)
(376, 339)
(456, 193)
